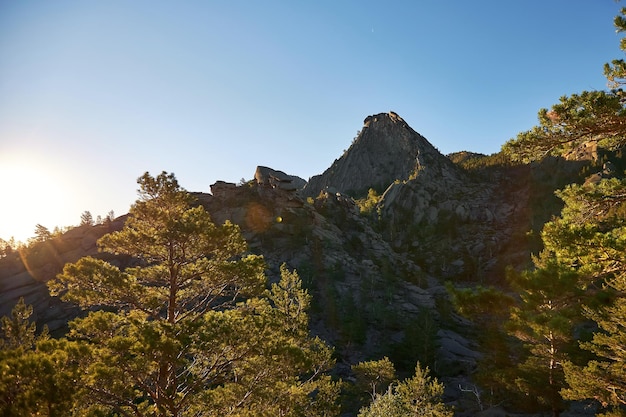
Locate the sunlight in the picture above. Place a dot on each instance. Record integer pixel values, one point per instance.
(32, 191)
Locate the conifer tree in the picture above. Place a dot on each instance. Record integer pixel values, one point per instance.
(42, 233)
(37, 374)
(488, 308)
(544, 322)
(373, 377)
(17, 331)
(581, 273)
(189, 328)
(591, 234)
(603, 380)
(598, 116)
(418, 396)
(86, 219)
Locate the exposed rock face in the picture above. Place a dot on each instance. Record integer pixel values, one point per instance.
(387, 149)
(277, 179)
(25, 274)
(221, 188)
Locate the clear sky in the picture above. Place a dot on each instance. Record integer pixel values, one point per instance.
(95, 93)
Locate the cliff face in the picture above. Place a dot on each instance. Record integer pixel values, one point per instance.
(386, 149)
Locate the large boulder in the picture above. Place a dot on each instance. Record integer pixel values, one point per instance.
(269, 177)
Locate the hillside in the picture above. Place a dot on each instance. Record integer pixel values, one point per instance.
(377, 275)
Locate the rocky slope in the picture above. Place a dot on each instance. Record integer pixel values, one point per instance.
(376, 277)
(24, 273)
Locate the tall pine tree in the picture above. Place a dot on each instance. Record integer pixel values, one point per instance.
(591, 234)
(189, 328)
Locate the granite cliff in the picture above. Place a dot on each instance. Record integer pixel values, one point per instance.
(386, 149)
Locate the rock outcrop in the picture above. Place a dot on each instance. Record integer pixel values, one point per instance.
(277, 179)
(387, 149)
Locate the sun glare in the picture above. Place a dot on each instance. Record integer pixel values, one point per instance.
(32, 192)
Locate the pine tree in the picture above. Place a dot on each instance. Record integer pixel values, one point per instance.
(42, 233)
(37, 374)
(488, 308)
(17, 331)
(588, 116)
(544, 322)
(189, 329)
(598, 116)
(581, 273)
(603, 380)
(372, 378)
(591, 234)
(418, 396)
(86, 219)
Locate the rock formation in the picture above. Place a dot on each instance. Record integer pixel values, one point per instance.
(387, 149)
(277, 179)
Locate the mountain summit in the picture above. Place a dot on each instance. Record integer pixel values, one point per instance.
(386, 149)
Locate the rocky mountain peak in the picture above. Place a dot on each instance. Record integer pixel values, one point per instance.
(385, 150)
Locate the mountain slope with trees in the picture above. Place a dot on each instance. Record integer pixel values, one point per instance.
(503, 276)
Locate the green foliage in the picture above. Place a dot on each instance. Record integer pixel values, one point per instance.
(488, 308)
(419, 396)
(37, 374)
(189, 329)
(484, 305)
(616, 71)
(419, 342)
(374, 377)
(39, 381)
(354, 320)
(18, 331)
(604, 379)
(368, 204)
(591, 235)
(591, 232)
(590, 115)
(584, 247)
(481, 166)
(581, 271)
(544, 322)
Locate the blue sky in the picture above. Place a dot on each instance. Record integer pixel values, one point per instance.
(93, 93)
